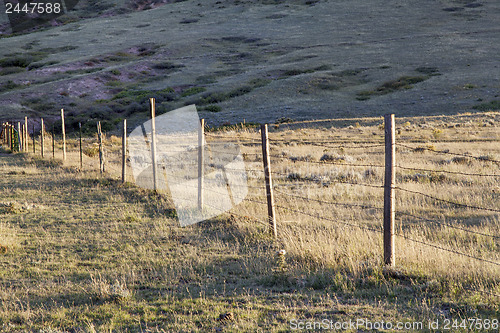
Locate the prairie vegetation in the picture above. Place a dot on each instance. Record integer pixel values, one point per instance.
(81, 252)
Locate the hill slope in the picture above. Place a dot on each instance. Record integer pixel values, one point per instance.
(260, 60)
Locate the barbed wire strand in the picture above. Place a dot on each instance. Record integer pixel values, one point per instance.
(448, 250)
(446, 171)
(447, 224)
(329, 202)
(448, 201)
(450, 153)
(330, 220)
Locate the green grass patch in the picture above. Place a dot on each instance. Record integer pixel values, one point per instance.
(432, 71)
(11, 70)
(192, 91)
(404, 82)
(9, 85)
(83, 71)
(491, 106)
(140, 96)
(210, 108)
(166, 66)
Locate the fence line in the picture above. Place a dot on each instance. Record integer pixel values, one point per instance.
(307, 179)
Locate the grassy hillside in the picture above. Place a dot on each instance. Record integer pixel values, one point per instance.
(255, 60)
(80, 252)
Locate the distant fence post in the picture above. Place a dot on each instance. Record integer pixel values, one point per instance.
(23, 132)
(153, 142)
(389, 200)
(53, 143)
(101, 148)
(12, 140)
(34, 143)
(201, 160)
(124, 151)
(81, 151)
(26, 134)
(63, 135)
(19, 134)
(42, 139)
(269, 184)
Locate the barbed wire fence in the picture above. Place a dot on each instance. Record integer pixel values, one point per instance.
(17, 138)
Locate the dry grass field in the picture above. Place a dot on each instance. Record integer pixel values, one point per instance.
(81, 252)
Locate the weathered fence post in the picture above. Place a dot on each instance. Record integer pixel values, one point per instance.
(389, 200)
(63, 135)
(124, 151)
(34, 142)
(81, 151)
(23, 132)
(42, 139)
(101, 148)
(21, 140)
(12, 137)
(201, 161)
(269, 184)
(26, 134)
(53, 143)
(153, 143)
(7, 134)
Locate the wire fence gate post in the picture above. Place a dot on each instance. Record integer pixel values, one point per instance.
(389, 200)
(153, 143)
(201, 159)
(269, 184)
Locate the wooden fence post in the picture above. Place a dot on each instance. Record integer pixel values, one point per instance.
(389, 200)
(12, 138)
(53, 143)
(81, 151)
(26, 134)
(42, 139)
(23, 134)
(268, 177)
(124, 151)
(34, 143)
(101, 148)
(19, 134)
(201, 160)
(63, 135)
(153, 142)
